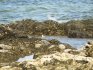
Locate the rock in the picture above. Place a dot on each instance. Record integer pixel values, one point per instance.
(26, 66)
(3, 64)
(79, 28)
(5, 47)
(54, 41)
(62, 47)
(3, 51)
(67, 46)
(55, 61)
(6, 31)
(21, 36)
(90, 42)
(10, 68)
(54, 48)
(44, 42)
(89, 49)
(67, 50)
(33, 27)
(38, 45)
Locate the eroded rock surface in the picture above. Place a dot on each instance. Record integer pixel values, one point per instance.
(53, 59)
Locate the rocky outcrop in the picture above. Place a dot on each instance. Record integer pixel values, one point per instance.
(56, 56)
(55, 61)
(32, 27)
(80, 28)
(73, 28)
(89, 49)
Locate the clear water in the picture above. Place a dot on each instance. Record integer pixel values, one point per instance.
(26, 58)
(11, 10)
(74, 42)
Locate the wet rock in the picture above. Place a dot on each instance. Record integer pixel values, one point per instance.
(44, 42)
(80, 28)
(74, 28)
(32, 27)
(89, 49)
(67, 46)
(55, 42)
(90, 42)
(21, 36)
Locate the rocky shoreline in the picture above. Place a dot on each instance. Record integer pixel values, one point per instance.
(48, 55)
(73, 28)
(16, 42)
(28, 27)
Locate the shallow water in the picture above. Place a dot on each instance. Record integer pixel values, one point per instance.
(74, 42)
(26, 58)
(11, 10)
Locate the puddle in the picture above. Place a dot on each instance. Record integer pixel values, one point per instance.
(26, 58)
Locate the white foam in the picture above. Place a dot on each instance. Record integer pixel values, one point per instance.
(52, 17)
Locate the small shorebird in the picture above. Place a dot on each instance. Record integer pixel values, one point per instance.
(42, 36)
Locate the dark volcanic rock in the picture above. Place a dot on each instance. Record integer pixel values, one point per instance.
(74, 28)
(54, 41)
(31, 27)
(6, 31)
(80, 28)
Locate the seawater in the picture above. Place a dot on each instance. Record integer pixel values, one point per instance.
(74, 42)
(12, 10)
